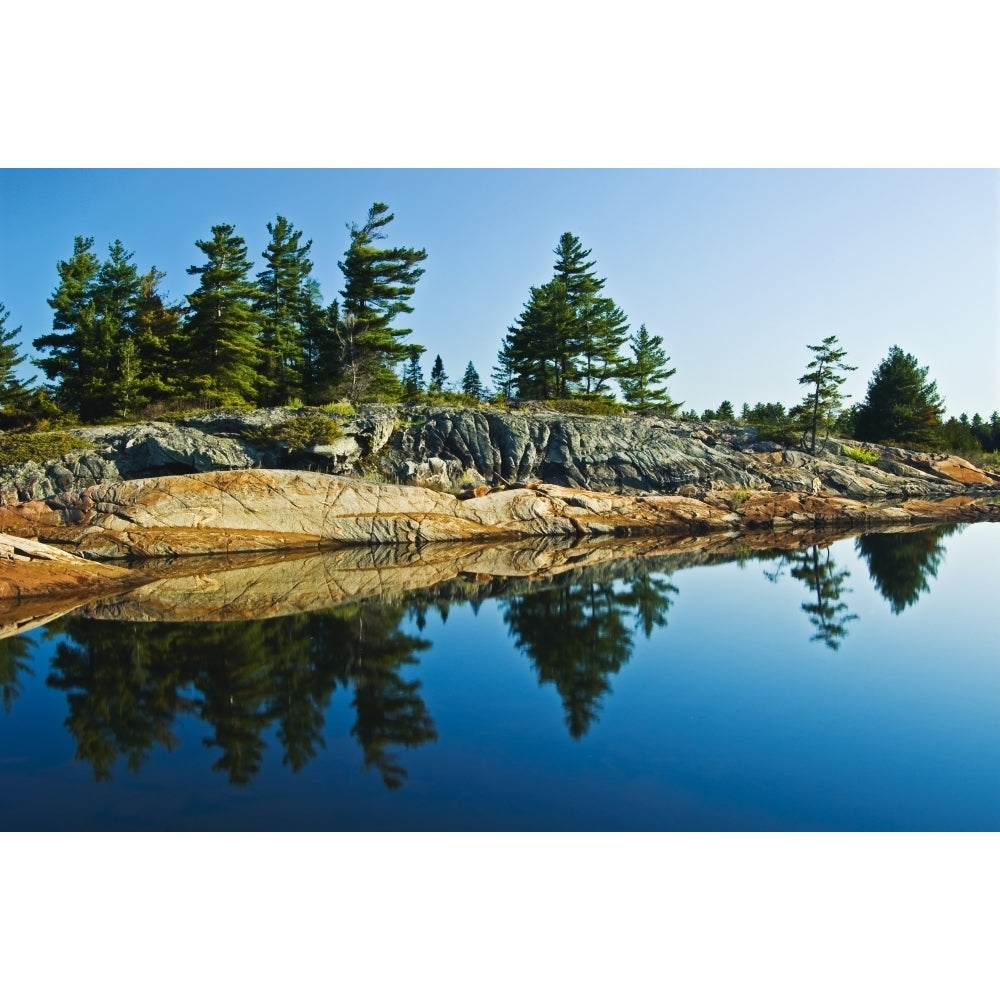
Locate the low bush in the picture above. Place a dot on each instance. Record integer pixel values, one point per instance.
(863, 455)
(305, 430)
(595, 406)
(49, 446)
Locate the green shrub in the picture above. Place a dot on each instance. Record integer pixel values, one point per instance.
(338, 409)
(19, 447)
(584, 406)
(298, 433)
(863, 455)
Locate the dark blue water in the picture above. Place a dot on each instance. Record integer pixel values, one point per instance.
(854, 686)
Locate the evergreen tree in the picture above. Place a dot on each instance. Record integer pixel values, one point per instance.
(471, 383)
(284, 311)
(413, 377)
(438, 376)
(648, 367)
(605, 331)
(504, 375)
(378, 284)
(68, 363)
(820, 408)
(568, 338)
(222, 326)
(541, 344)
(14, 394)
(155, 348)
(321, 348)
(113, 354)
(901, 405)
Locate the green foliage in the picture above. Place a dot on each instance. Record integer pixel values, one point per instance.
(863, 455)
(378, 284)
(338, 409)
(818, 411)
(724, 412)
(223, 326)
(568, 337)
(22, 446)
(438, 376)
(413, 377)
(15, 395)
(284, 309)
(305, 430)
(600, 406)
(901, 405)
(648, 367)
(472, 385)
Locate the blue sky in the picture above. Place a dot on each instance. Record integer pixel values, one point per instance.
(737, 269)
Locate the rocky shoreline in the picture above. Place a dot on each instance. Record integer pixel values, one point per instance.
(609, 482)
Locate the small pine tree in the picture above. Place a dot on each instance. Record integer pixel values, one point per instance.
(472, 384)
(819, 410)
(648, 367)
(413, 377)
(438, 376)
(14, 393)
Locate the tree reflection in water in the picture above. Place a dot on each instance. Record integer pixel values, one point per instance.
(127, 685)
(576, 634)
(900, 563)
(15, 660)
(817, 569)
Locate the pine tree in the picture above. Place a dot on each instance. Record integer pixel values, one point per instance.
(541, 344)
(114, 363)
(568, 338)
(820, 408)
(68, 364)
(321, 348)
(284, 310)
(438, 376)
(504, 374)
(14, 393)
(157, 346)
(648, 367)
(901, 405)
(378, 284)
(413, 377)
(471, 383)
(222, 326)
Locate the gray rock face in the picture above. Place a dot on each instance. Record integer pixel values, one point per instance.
(648, 454)
(453, 449)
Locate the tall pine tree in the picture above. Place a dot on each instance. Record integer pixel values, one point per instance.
(568, 338)
(284, 311)
(68, 362)
(222, 325)
(819, 410)
(378, 283)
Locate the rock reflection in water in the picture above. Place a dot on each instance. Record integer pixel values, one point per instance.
(256, 648)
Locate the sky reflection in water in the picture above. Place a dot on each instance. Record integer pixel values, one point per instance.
(848, 687)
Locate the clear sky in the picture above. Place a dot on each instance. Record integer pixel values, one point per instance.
(737, 269)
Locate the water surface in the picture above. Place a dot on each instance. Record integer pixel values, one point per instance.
(846, 686)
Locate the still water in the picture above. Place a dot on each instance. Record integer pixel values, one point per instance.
(852, 685)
